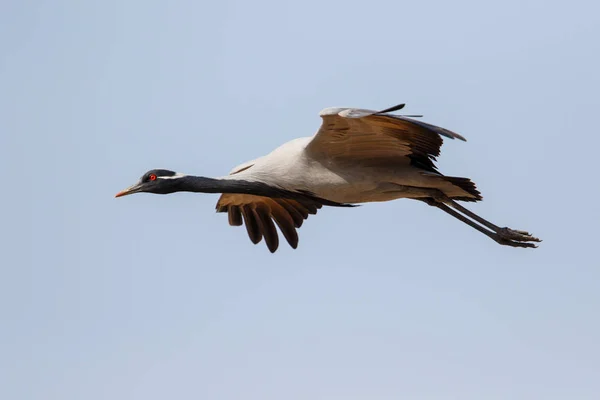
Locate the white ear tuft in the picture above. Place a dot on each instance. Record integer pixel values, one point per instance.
(176, 176)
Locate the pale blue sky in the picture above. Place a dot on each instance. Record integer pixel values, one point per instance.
(154, 297)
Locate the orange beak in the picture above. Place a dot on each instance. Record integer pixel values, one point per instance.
(130, 190)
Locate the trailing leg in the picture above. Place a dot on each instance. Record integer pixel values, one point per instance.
(504, 236)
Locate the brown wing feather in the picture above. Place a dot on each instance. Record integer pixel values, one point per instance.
(378, 140)
(260, 214)
(252, 226)
(297, 216)
(285, 222)
(235, 216)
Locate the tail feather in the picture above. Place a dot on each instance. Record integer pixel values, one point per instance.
(467, 185)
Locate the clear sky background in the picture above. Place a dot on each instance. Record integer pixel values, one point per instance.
(156, 297)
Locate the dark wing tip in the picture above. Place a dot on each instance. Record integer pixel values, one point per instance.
(392, 109)
(433, 128)
(457, 136)
(440, 131)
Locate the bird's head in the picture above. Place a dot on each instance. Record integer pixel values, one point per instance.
(159, 181)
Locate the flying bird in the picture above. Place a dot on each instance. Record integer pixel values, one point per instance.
(356, 156)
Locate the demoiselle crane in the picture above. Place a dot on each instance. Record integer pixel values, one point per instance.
(356, 156)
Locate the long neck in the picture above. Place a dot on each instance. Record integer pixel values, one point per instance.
(211, 185)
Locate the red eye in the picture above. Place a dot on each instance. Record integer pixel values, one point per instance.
(152, 177)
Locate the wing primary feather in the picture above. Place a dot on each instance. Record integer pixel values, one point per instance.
(300, 208)
(392, 109)
(266, 226)
(285, 223)
(436, 129)
(251, 224)
(235, 216)
(296, 215)
(311, 207)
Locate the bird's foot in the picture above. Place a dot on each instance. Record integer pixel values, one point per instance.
(516, 238)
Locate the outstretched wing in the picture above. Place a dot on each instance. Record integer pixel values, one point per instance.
(260, 214)
(376, 138)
